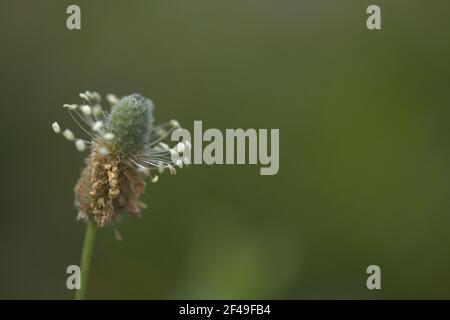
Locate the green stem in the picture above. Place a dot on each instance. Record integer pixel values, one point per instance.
(86, 256)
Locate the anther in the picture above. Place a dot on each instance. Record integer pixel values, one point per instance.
(112, 99)
(174, 123)
(97, 96)
(97, 110)
(70, 106)
(108, 136)
(56, 127)
(68, 134)
(80, 145)
(97, 126)
(86, 110)
(84, 97)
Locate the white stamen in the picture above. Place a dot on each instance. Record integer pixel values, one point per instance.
(80, 145)
(85, 97)
(86, 110)
(56, 127)
(179, 163)
(68, 134)
(112, 99)
(89, 94)
(175, 123)
(103, 151)
(97, 96)
(97, 110)
(70, 106)
(97, 126)
(108, 136)
(155, 179)
(180, 147)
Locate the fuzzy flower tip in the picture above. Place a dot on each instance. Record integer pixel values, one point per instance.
(125, 147)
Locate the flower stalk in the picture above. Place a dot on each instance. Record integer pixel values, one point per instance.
(86, 257)
(125, 147)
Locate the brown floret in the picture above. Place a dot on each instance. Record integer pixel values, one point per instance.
(108, 188)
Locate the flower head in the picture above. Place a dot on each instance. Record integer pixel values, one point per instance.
(125, 147)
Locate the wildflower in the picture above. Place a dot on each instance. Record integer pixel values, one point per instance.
(125, 147)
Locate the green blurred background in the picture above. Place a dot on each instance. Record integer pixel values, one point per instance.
(364, 148)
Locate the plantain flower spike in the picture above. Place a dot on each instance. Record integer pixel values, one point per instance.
(125, 147)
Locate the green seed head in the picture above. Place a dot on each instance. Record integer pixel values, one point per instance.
(131, 122)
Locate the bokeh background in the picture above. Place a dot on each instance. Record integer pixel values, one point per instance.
(364, 148)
